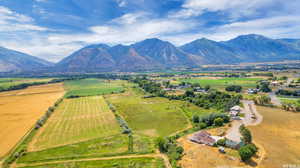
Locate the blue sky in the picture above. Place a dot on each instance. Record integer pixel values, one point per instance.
(53, 29)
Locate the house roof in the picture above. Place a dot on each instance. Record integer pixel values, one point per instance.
(203, 137)
(235, 108)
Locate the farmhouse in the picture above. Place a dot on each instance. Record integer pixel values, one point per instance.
(203, 137)
(234, 111)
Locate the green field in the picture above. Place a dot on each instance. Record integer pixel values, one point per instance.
(99, 147)
(9, 82)
(92, 87)
(77, 120)
(113, 163)
(149, 116)
(223, 82)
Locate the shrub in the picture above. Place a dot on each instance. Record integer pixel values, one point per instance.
(245, 153)
(202, 125)
(218, 121)
(247, 137)
(195, 119)
(221, 142)
(234, 88)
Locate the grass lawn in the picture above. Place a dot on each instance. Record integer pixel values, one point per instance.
(92, 87)
(223, 82)
(149, 116)
(114, 163)
(76, 120)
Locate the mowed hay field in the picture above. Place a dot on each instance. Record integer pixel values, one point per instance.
(149, 116)
(223, 82)
(92, 87)
(142, 162)
(76, 120)
(279, 134)
(20, 109)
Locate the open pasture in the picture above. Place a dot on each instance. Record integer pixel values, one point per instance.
(139, 162)
(20, 109)
(100, 147)
(92, 87)
(76, 120)
(9, 82)
(223, 82)
(149, 116)
(279, 134)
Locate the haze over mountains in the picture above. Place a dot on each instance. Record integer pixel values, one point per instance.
(157, 54)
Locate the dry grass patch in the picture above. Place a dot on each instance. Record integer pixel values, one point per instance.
(19, 110)
(202, 156)
(279, 134)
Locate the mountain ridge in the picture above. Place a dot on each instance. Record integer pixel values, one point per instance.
(156, 54)
(15, 61)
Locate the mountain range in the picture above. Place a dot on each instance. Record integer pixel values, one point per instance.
(156, 54)
(14, 61)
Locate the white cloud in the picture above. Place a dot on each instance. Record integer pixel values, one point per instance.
(273, 27)
(236, 8)
(121, 3)
(11, 21)
(127, 29)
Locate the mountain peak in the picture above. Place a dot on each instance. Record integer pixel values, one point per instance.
(104, 46)
(250, 36)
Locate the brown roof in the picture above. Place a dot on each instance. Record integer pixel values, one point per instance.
(203, 137)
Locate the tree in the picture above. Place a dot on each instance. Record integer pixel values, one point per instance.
(195, 119)
(189, 93)
(234, 88)
(162, 144)
(247, 137)
(207, 87)
(221, 142)
(218, 121)
(245, 153)
(202, 125)
(265, 88)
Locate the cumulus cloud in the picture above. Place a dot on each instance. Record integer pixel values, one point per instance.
(20, 32)
(13, 21)
(127, 29)
(236, 8)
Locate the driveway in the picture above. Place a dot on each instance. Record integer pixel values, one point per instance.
(252, 117)
(274, 99)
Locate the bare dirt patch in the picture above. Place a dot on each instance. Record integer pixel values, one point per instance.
(202, 156)
(20, 109)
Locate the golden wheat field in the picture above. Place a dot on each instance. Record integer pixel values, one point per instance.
(20, 109)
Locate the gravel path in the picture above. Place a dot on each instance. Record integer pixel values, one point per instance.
(252, 117)
(274, 99)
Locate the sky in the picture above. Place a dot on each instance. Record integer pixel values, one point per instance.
(53, 29)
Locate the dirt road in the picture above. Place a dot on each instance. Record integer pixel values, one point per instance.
(252, 116)
(274, 99)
